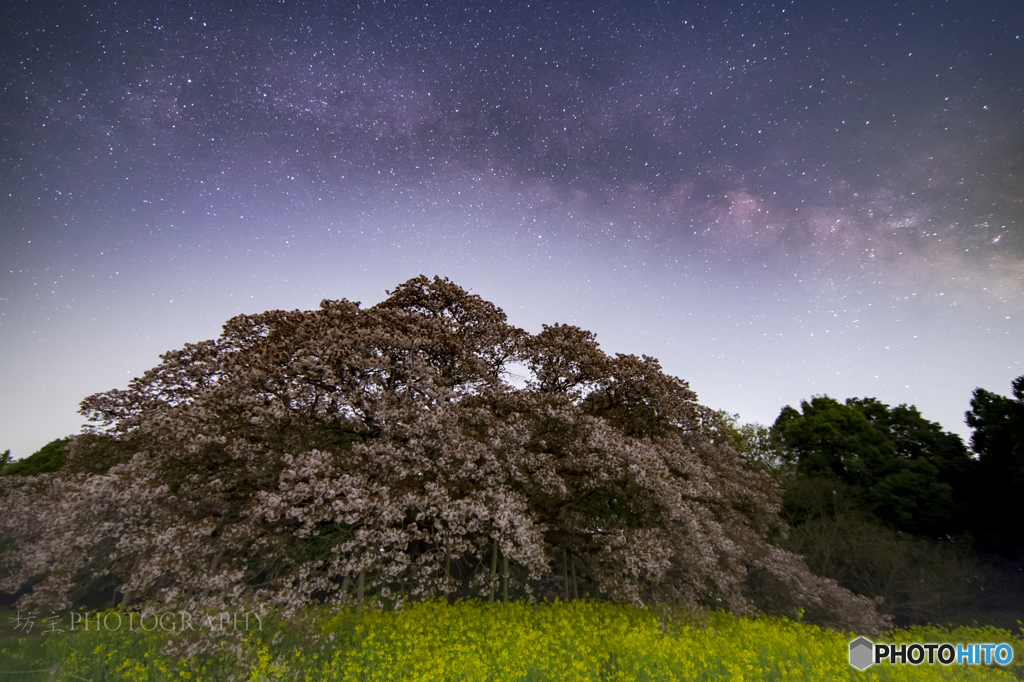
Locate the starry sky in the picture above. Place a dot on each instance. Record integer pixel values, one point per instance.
(776, 200)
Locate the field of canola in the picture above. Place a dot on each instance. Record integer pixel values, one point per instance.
(474, 641)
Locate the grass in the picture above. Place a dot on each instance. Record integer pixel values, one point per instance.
(470, 641)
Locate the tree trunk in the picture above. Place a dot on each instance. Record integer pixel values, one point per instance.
(565, 572)
(504, 592)
(345, 584)
(360, 585)
(213, 569)
(447, 574)
(494, 568)
(127, 593)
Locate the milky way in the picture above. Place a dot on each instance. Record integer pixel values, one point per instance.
(777, 201)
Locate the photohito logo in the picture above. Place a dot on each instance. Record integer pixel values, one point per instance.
(863, 653)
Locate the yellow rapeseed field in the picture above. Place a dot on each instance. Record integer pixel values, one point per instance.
(474, 641)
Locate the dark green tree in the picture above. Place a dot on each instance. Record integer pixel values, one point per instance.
(888, 462)
(47, 459)
(876, 496)
(998, 440)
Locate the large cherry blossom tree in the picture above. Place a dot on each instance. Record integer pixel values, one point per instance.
(420, 447)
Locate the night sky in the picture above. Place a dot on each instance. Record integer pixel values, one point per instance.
(776, 200)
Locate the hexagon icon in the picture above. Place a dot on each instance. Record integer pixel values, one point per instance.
(861, 653)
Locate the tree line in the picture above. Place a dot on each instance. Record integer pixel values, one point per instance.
(890, 505)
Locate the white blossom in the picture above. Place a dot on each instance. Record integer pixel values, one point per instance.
(276, 464)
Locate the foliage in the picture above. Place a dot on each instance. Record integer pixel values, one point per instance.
(47, 459)
(887, 461)
(874, 496)
(998, 439)
(756, 444)
(918, 580)
(578, 641)
(302, 453)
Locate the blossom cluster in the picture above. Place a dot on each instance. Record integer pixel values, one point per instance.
(314, 456)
